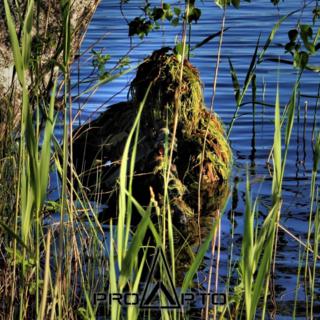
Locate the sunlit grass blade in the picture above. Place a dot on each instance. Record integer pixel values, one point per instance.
(316, 157)
(115, 308)
(273, 33)
(290, 121)
(123, 184)
(135, 246)
(277, 149)
(247, 254)
(316, 239)
(251, 70)
(152, 227)
(46, 277)
(316, 160)
(263, 270)
(133, 311)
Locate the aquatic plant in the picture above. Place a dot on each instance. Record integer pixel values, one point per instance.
(54, 255)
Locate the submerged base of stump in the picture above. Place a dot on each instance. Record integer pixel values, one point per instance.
(98, 146)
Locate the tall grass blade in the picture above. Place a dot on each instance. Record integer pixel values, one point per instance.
(46, 278)
(249, 76)
(17, 56)
(123, 184)
(208, 39)
(247, 267)
(115, 308)
(277, 147)
(273, 33)
(26, 34)
(46, 146)
(132, 310)
(198, 259)
(235, 82)
(13, 235)
(135, 246)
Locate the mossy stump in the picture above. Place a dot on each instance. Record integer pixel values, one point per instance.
(98, 145)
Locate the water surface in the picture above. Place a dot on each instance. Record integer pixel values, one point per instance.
(252, 135)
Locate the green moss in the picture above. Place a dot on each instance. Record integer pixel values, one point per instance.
(167, 94)
(104, 139)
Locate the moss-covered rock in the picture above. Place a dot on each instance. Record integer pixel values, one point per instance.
(99, 144)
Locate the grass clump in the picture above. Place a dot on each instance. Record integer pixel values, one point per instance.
(98, 145)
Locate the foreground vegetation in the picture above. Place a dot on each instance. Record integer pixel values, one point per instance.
(52, 270)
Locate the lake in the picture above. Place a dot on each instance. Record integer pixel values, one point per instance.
(252, 135)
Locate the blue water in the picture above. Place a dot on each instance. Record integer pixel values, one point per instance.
(251, 137)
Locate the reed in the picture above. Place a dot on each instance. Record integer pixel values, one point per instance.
(54, 269)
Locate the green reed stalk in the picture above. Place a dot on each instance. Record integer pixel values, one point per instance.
(255, 60)
(66, 32)
(300, 262)
(128, 249)
(33, 164)
(316, 160)
(124, 202)
(258, 247)
(316, 239)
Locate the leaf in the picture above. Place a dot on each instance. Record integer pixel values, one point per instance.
(207, 39)
(306, 34)
(273, 33)
(141, 211)
(197, 261)
(178, 49)
(277, 147)
(300, 59)
(132, 253)
(140, 27)
(166, 6)
(177, 11)
(194, 15)
(113, 275)
(310, 47)
(157, 14)
(13, 234)
(123, 183)
(26, 34)
(247, 250)
(292, 35)
(17, 56)
(235, 3)
(290, 46)
(251, 70)
(316, 156)
(235, 82)
(306, 30)
(105, 80)
(222, 3)
(46, 146)
(175, 21)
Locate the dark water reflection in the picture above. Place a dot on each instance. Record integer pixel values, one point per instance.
(252, 134)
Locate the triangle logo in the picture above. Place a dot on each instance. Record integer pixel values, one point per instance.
(155, 290)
